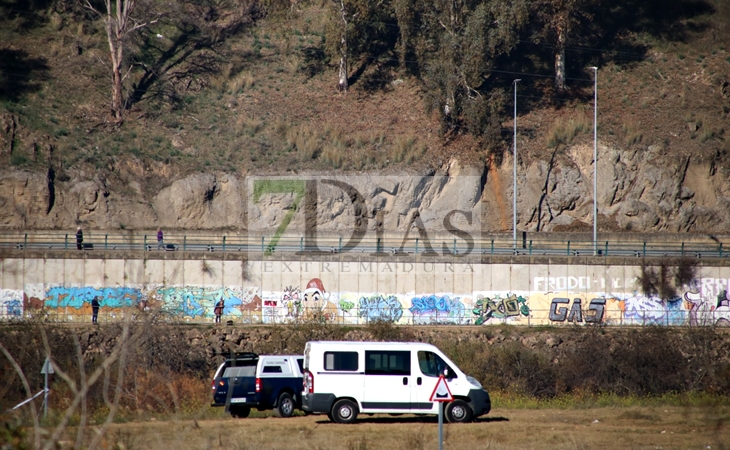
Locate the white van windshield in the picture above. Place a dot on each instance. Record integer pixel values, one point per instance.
(432, 365)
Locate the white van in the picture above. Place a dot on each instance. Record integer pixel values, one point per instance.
(343, 379)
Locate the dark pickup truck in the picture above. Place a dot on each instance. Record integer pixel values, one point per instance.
(263, 382)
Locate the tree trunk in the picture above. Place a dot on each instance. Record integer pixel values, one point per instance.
(560, 59)
(342, 84)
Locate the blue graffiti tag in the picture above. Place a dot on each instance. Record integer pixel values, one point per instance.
(14, 308)
(75, 297)
(437, 308)
(377, 307)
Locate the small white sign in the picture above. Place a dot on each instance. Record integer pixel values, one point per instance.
(441, 392)
(47, 367)
(238, 400)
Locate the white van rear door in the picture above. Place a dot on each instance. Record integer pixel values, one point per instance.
(387, 381)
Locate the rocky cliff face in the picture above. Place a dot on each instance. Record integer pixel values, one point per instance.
(638, 190)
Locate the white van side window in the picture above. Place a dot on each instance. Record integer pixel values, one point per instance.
(340, 361)
(387, 362)
(432, 365)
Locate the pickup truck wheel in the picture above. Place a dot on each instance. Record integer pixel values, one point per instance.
(285, 405)
(240, 412)
(344, 411)
(458, 411)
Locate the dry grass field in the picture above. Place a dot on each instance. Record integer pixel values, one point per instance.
(648, 427)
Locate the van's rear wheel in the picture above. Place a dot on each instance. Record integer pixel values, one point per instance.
(344, 411)
(240, 412)
(285, 405)
(458, 411)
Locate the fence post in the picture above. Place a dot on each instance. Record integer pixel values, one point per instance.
(568, 248)
(720, 249)
(224, 244)
(417, 247)
(644, 251)
(530, 247)
(682, 252)
(106, 242)
(377, 246)
(262, 244)
(301, 244)
(185, 243)
(25, 241)
(65, 242)
(145, 243)
(340, 246)
(454, 246)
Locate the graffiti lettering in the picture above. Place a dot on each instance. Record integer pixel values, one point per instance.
(594, 314)
(377, 307)
(437, 309)
(499, 308)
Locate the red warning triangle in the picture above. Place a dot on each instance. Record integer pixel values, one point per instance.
(441, 392)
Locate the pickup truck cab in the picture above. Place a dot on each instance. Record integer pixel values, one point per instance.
(264, 382)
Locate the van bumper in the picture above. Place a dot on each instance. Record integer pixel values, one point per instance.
(318, 403)
(479, 402)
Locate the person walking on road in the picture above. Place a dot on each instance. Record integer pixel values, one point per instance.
(160, 239)
(95, 310)
(79, 238)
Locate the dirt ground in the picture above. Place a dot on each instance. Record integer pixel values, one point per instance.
(610, 427)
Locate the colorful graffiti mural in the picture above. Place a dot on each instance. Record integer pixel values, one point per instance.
(11, 304)
(499, 308)
(379, 307)
(705, 302)
(437, 309)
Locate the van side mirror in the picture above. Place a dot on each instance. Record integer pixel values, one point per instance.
(447, 373)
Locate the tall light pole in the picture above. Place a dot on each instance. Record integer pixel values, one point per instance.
(514, 175)
(595, 158)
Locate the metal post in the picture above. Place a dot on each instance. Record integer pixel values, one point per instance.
(417, 247)
(514, 174)
(224, 244)
(595, 157)
(106, 242)
(45, 396)
(441, 425)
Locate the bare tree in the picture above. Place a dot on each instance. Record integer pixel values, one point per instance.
(557, 19)
(119, 24)
(342, 84)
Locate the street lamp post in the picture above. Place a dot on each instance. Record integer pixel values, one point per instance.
(514, 175)
(595, 158)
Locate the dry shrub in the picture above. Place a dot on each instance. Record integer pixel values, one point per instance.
(563, 132)
(249, 125)
(305, 140)
(402, 146)
(163, 392)
(633, 134)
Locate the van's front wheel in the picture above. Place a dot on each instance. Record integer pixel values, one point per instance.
(458, 411)
(344, 411)
(285, 405)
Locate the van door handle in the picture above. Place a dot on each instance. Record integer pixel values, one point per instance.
(405, 381)
(418, 381)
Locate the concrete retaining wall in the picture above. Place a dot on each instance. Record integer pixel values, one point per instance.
(407, 291)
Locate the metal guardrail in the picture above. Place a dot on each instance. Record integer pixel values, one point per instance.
(180, 242)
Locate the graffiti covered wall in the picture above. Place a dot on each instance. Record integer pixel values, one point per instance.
(356, 292)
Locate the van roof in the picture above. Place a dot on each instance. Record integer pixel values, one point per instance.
(369, 343)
